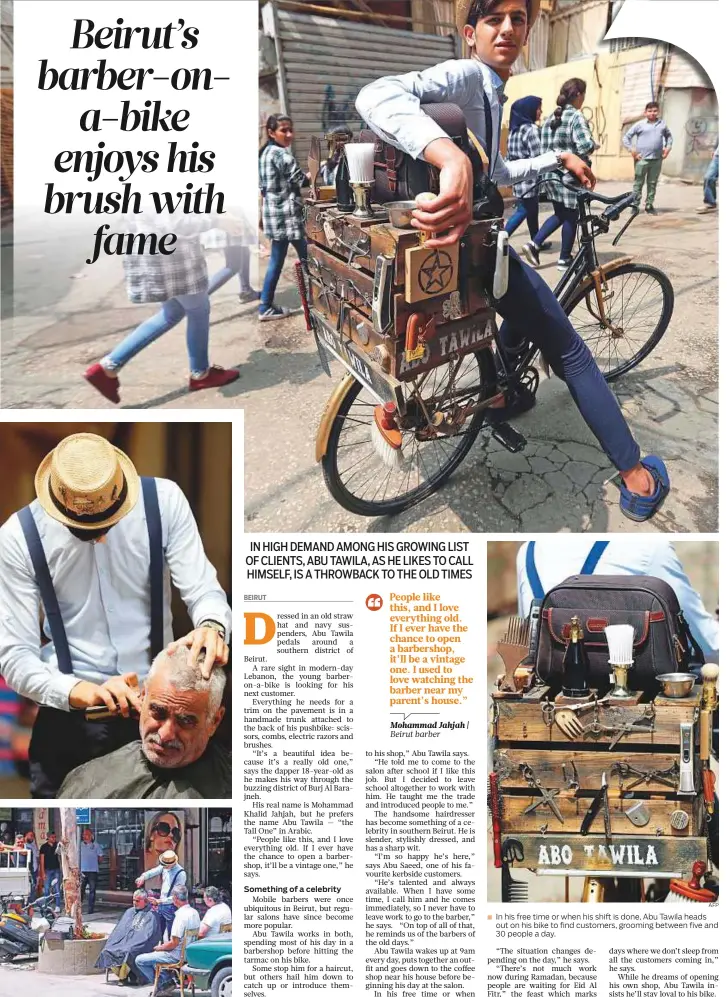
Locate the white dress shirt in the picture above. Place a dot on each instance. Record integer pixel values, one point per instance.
(391, 107)
(103, 595)
(215, 917)
(172, 875)
(557, 559)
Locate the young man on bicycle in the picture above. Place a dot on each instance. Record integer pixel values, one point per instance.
(495, 32)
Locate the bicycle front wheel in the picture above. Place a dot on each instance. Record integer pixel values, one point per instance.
(364, 482)
(638, 301)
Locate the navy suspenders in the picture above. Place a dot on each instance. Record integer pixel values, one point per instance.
(589, 565)
(156, 563)
(48, 594)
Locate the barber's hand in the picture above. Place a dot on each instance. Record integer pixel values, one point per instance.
(580, 170)
(216, 651)
(140, 881)
(119, 694)
(452, 208)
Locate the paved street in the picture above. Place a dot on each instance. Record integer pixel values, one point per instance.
(556, 483)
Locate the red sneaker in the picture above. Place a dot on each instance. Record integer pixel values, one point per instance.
(216, 377)
(103, 382)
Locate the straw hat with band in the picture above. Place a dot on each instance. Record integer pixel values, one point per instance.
(85, 483)
(168, 858)
(463, 8)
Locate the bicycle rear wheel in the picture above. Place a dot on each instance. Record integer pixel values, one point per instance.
(638, 305)
(361, 481)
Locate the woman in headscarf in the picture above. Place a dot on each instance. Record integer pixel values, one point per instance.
(524, 143)
(567, 131)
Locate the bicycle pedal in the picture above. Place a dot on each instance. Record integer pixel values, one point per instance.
(509, 438)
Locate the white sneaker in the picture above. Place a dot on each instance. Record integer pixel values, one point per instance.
(275, 312)
(706, 209)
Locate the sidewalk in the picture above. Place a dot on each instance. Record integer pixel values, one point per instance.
(21, 979)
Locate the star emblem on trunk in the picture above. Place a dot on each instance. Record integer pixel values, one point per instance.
(435, 272)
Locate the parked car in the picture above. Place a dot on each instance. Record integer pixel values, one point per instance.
(209, 961)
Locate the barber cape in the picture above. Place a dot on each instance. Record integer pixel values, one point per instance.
(138, 931)
(126, 774)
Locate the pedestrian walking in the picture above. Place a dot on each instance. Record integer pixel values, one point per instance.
(90, 852)
(649, 141)
(710, 184)
(566, 130)
(523, 142)
(237, 262)
(50, 868)
(180, 282)
(281, 180)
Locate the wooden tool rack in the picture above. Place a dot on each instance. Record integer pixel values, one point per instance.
(342, 254)
(529, 745)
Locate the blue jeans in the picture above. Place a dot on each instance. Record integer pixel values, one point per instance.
(532, 314)
(710, 182)
(197, 309)
(278, 252)
(568, 218)
(237, 261)
(146, 962)
(525, 207)
(53, 885)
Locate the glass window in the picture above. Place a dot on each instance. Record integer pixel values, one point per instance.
(219, 836)
(120, 833)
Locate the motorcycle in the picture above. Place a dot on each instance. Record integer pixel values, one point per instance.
(17, 936)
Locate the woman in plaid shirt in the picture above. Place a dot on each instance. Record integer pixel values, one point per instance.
(523, 142)
(566, 129)
(282, 217)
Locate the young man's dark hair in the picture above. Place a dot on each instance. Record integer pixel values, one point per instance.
(481, 8)
(652, 103)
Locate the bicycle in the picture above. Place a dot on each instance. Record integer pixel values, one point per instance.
(445, 408)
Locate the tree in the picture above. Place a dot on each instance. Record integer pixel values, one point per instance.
(70, 864)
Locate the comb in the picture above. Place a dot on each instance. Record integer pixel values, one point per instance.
(513, 649)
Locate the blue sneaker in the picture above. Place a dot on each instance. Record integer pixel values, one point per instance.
(639, 508)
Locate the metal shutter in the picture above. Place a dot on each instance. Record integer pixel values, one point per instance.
(324, 62)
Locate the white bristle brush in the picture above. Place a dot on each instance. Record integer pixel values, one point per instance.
(384, 442)
(682, 891)
(360, 156)
(620, 638)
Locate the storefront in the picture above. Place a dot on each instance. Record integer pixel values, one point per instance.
(132, 840)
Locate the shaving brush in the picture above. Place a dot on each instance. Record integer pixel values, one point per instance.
(360, 159)
(620, 640)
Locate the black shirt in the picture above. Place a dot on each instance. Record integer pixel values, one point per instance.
(51, 857)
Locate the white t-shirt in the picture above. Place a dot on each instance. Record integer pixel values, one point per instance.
(185, 919)
(215, 917)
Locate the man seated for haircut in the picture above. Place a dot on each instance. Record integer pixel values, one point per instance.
(185, 919)
(174, 757)
(138, 931)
